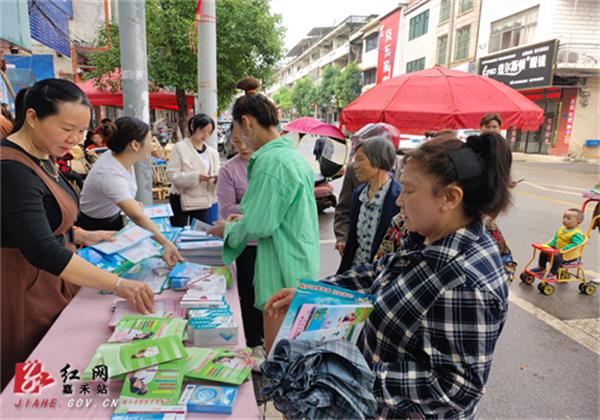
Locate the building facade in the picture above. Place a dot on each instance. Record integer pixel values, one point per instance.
(550, 52)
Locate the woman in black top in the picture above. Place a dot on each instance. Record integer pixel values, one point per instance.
(40, 271)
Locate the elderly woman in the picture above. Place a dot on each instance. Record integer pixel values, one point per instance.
(373, 202)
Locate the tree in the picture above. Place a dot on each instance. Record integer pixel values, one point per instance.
(283, 99)
(326, 89)
(348, 85)
(249, 42)
(304, 94)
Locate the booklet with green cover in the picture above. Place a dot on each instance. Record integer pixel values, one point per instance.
(127, 357)
(219, 365)
(135, 327)
(160, 384)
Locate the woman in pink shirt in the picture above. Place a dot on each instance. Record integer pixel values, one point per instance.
(232, 183)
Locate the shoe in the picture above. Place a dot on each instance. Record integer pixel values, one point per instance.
(258, 355)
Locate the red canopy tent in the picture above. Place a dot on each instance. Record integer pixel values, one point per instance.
(160, 99)
(438, 98)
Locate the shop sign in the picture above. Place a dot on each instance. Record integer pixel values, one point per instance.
(527, 67)
(570, 118)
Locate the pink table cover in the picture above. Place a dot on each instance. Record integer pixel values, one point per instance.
(73, 338)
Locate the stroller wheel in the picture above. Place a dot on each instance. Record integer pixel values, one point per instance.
(589, 289)
(527, 278)
(547, 289)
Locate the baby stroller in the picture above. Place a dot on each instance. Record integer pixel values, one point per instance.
(571, 270)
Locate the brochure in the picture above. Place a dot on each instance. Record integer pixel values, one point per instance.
(125, 238)
(330, 322)
(160, 385)
(209, 398)
(163, 308)
(113, 263)
(152, 271)
(158, 210)
(325, 296)
(131, 328)
(220, 365)
(145, 249)
(140, 354)
(185, 272)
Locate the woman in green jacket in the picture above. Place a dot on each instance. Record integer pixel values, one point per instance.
(278, 209)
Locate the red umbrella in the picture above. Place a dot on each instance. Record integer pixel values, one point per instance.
(309, 125)
(438, 98)
(160, 99)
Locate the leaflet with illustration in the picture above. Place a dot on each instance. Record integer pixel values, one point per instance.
(160, 385)
(158, 210)
(152, 271)
(114, 263)
(356, 305)
(219, 365)
(137, 327)
(142, 250)
(140, 354)
(153, 412)
(127, 237)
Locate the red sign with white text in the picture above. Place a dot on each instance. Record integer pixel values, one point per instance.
(388, 38)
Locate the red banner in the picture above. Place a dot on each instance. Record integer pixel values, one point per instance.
(388, 38)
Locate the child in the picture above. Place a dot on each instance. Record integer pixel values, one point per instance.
(567, 236)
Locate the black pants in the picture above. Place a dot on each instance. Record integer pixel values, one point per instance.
(558, 260)
(182, 218)
(91, 223)
(252, 317)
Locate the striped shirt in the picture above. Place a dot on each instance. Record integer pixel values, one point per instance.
(280, 212)
(438, 314)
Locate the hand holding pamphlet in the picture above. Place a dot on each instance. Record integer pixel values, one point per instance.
(125, 238)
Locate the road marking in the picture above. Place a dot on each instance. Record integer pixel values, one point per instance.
(575, 334)
(553, 200)
(553, 189)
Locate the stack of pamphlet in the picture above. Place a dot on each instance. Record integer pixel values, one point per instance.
(163, 308)
(152, 271)
(197, 299)
(152, 412)
(199, 247)
(226, 366)
(212, 326)
(114, 263)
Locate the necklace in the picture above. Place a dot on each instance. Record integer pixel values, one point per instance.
(45, 168)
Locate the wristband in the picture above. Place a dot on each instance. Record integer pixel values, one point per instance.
(117, 285)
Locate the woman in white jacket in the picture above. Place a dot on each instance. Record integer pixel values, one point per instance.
(193, 170)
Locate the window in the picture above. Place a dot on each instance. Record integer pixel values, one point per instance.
(465, 5)
(369, 76)
(444, 11)
(442, 46)
(514, 30)
(418, 25)
(371, 41)
(463, 38)
(415, 65)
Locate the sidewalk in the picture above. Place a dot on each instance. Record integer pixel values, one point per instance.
(528, 157)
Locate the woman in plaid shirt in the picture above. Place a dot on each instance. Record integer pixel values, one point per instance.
(442, 298)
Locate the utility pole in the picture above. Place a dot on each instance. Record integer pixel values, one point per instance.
(134, 73)
(207, 64)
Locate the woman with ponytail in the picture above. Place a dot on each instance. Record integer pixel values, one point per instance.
(442, 298)
(110, 187)
(278, 209)
(40, 271)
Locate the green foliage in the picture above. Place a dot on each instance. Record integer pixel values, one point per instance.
(304, 94)
(348, 85)
(249, 42)
(327, 85)
(283, 99)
